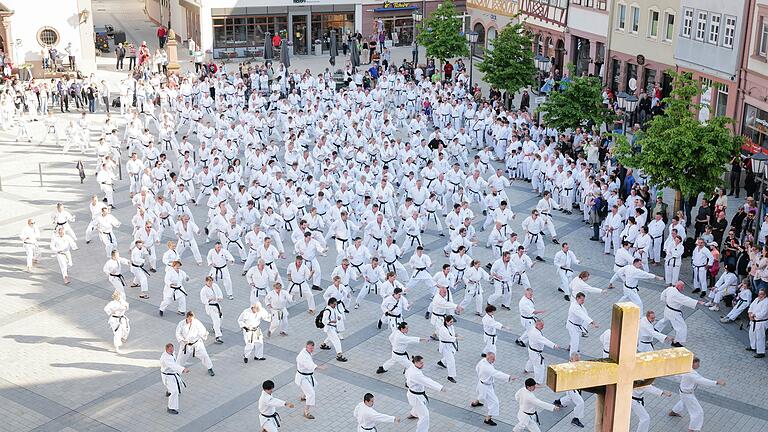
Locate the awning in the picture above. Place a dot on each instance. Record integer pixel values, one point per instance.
(395, 9)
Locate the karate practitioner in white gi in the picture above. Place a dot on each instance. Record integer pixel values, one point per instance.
(400, 340)
(487, 375)
(573, 397)
(417, 384)
(305, 377)
(674, 300)
(211, 297)
(527, 412)
(758, 315)
(367, 417)
(170, 374)
(191, 334)
(269, 418)
(117, 320)
(30, 236)
(688, 384)
(250, 321)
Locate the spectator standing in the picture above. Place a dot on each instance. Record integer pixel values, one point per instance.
(120, 56)
(131, 56)
(162, 35)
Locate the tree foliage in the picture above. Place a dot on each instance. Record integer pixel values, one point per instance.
(679, 152)
(578, 104)
(441, 33)
(509, 65)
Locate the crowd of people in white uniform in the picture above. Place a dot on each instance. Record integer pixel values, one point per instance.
(268, 175)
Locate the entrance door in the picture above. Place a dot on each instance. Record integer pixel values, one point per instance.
(300, 36)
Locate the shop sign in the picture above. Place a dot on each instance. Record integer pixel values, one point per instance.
(394, 5)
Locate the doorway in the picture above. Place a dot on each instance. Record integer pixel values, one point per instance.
(299, 35)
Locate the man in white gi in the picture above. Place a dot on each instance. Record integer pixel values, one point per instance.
(305, 377)
(277, 305)
(138, 255)
(400, 340)
(612, 225)
(648, 333)
(527, 413)
(250, 321)
(674, 300)
(688, 384)
(638, 405)
(534, 229)
(632, 274)
(211, 297)
(656, 231)
(417, 384)
(269, 418)
(742, 302)
(674, 249)
(528, 314)
(578, 320)
(170, 374)
(701, 260)
(217, 260)
(190, 333)
(299, 275)
(564, 261)
(622, 258)
(330, 319)
(392, 306)
(173, 289)
(113, 268)
(105, 224)
(367, 417)
(536, 344)
(61, 245)
(758, 315)
(30, 236)
(502, 273)
(486, 393)
(573, 397)
(261, 278)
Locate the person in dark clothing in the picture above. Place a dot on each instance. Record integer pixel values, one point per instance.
(748, 227)
(735, 180)
(525, 101)
(750, 185)
(737, 221)
(719, 226)
(703, 218)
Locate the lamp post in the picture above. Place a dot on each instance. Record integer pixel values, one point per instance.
(631, 106)
(472, 39)
(760, 168)
(542, 64)
(621, 100)
(417, 17)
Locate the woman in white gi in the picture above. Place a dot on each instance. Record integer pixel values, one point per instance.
(250, 321)
(173, 289)
(449, 346)
(473, 278)
(211, 297)
(191, 334)
(30, 235)
(117, 320)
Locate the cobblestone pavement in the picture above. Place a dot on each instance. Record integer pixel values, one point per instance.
(60, 373)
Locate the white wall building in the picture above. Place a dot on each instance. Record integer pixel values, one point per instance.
(29, 27)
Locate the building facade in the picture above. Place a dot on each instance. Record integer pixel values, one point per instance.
(547, 20)
(641, 49)
(752, 97)
(27, 31)
(709, 47)
(488, 18)
(587, 33)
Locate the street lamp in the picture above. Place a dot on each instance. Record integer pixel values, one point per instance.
(417, 17)
(542, 64)
(472, 39)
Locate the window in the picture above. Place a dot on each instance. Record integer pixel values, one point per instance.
(589, 3)
(687, 23)
(653, 24)
(701, 26)
(47, 37)
(729, 32)
(602, 4)
(635, 19)
(621, 16)
(762, 47)
(714, 29)
(669, 26)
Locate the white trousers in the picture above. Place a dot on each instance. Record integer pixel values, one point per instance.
(633, 296)
(487, 395)
(302, 290)
(678, 323)
(254, 344)
(526, 422)
(700, 277)
(536, 365)
(170, 295)
(65, 261)
(213, 313)
(419, 409)
(574, 333)
(140, 278)
(473, 292)
(501, 290)
(192, 245)
(574, 398)
(757, 336)
(33, 253)
(643, 419)
(333, 338)
(196, 350)
(695, 411)
(671, 273)
(174, 388)
(449, 359)
(402, 360)
(223, 275)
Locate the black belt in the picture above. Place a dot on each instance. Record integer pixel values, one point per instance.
(421, 393)
(294, 285)
(414, 237)
(492, 336)
(119, 276)
(141, 266)
(537, 351)
(534, 414)
(648, 343)
(179, 380)
(639, 399)
(120, 319)
(177, 288)
(566, 270)
(418, 269)
(404, 353)
(752, 323)
(676, 310)
(219, 273)
(191, 344)
(308, 374)
(217, 307)
(275, 416)
(634, 287)
(455, 344)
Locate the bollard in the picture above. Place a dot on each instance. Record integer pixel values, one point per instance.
(40, 172)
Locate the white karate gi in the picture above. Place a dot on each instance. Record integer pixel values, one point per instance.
(688, 384)
(209, 297)
(418, 384)
(367, 417)
(535, 363)
(269, 419)
(638, 406)
(674, 301)
(400, 342)
(170, 374)
(217, 261)
(190, 337)
(117, 321)
(173, 290)
(486, 393)
(578, 320)
(759, 308)
(527, 413)
(305, 378)
(250, 322)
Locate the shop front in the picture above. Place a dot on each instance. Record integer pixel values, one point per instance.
(241, 32)
(754, 128)
(394, 19)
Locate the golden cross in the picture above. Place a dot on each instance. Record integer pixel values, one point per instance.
(612, 379)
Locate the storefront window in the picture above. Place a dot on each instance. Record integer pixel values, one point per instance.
(398, 30)
(322, 24)
(755, 125)
(243, 36)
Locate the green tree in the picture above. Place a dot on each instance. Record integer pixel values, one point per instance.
(441, 34)
(578, 103)
(509, 65)
(679, 152)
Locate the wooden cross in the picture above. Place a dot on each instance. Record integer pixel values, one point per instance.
(612, 379)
